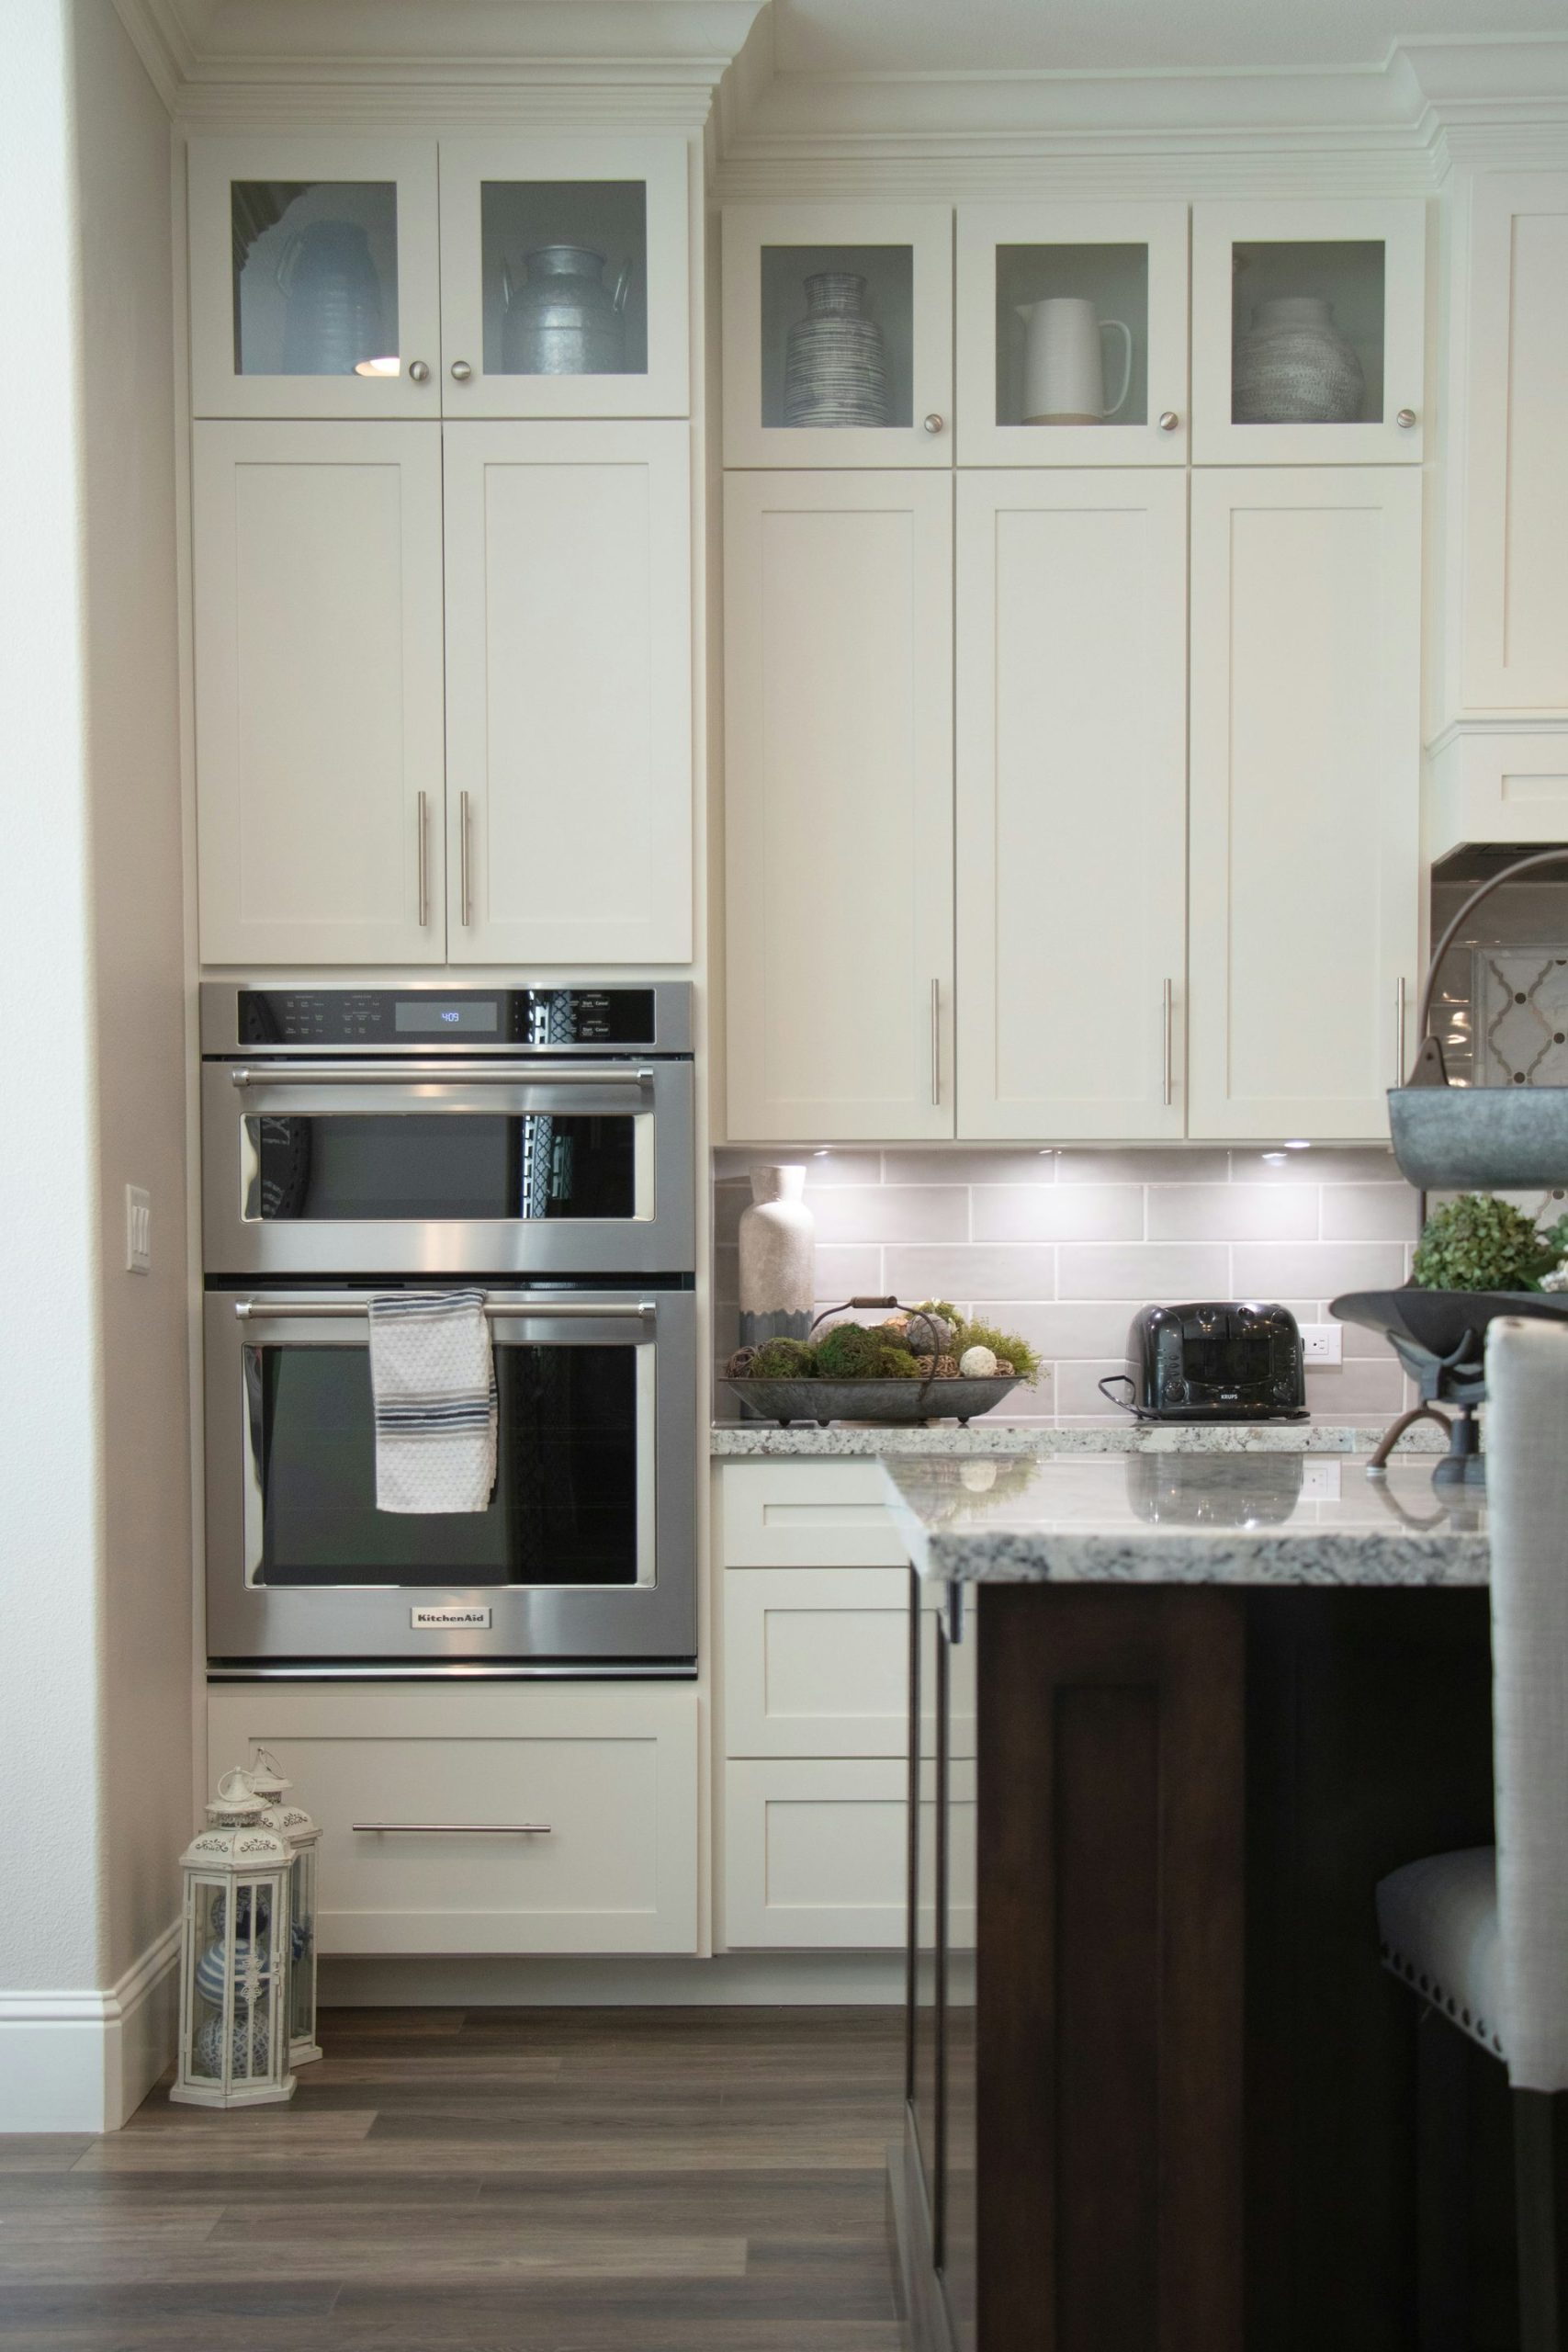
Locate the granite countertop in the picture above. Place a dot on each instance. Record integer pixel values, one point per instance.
(748, 1441)
(1202, 1518)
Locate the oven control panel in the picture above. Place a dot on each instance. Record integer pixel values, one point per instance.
(423, 1020)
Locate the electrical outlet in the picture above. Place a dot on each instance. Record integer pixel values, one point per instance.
(138, 1230)
(1322, 1342)
(1320, 1479)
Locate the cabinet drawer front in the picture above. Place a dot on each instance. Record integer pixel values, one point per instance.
(816, 1852)
(516, 1821)
(809, 1515)
(815, 1662)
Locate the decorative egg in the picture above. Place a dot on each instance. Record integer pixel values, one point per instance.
(210, 1972)
(978, 1476)
(978, 1364)
(247, 2058)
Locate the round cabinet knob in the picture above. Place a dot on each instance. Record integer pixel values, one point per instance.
(419, 371)
(933, 423)
(1405, 419)
(461, 371)
(1169, 420)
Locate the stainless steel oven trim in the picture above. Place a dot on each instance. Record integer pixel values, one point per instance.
(658, 1237)
(566, 1629)
(218, 1013)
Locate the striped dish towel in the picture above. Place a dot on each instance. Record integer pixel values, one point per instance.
(433, 1376)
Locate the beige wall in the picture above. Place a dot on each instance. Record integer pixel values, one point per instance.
(138, 968)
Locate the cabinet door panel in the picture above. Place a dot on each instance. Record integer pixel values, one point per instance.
(568, 713)
(1305, 797)
(1072, 759)
(608, 213)
(314, 276)
(317, 589)
(839, 761)
(817, 1852)
(815, 1662)
(1516, 588)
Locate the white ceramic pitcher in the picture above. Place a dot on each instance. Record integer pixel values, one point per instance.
(1063, 367)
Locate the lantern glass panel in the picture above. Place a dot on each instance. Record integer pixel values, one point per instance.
(302, 1936)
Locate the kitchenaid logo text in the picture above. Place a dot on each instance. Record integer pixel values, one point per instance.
(452, 1616)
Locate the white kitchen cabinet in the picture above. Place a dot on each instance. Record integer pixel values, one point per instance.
(1127, 261)
(317, 592)
(1367, 262)
(838, 766)
(569, 692)
(1514, 602)
(600, 219)
(1304, 785)
(883, 270)
(817, 1852)
(780, 1514)
(1071, 803)
(512, 1817)
(815, 1662)
(314, 276)
(348, 276)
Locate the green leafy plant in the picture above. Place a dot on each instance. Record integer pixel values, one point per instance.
(1004, 1345)
(849, 1351)
(1479, 1242)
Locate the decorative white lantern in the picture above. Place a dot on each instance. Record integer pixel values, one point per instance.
(302, 1835)
(233, 1963)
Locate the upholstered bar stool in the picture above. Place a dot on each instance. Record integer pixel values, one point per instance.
(1482, 1936)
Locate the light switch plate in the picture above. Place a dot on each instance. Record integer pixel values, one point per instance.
(1322, 1342)
(138, 1230)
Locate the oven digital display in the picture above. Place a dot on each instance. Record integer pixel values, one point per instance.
(430, 1017)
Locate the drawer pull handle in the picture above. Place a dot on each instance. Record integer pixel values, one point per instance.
(453, 1829)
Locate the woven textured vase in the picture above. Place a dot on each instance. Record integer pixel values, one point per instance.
(1294, 367)
(835, 367)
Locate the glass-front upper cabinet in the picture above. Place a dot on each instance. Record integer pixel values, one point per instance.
(837, 335)
(563, 277)
(1307, 332)
(1072, 334)
(374, 278)
(314, 277)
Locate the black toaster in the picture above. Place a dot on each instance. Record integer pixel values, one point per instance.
(1224, 1361)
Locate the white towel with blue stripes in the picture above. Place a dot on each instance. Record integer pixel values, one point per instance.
(433, 1375)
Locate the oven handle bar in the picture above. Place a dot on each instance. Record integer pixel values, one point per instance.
(452, 1829)
(389, 1073)
(583, 1310)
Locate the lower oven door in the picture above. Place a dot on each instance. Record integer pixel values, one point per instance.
(320, 1168)
(585, 1557)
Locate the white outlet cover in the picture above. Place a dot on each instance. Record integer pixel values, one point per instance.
(138, 1230)
(1320, 1479)
(1322, 1342)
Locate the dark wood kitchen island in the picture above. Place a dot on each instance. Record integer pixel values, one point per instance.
(1173, 1717)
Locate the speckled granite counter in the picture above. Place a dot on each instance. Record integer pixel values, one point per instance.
(741, 1441)
(1192, 1518)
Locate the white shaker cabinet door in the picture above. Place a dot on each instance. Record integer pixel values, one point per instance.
(1072, 803)
(839, 796)
(569, 692)
(1306, 773)
(1514, 593)
(317, 595)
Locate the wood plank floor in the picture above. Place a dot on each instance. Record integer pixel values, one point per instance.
(516, 2181)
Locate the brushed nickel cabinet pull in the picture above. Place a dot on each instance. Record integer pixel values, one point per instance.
(936, 1042)
(452, 1829)
(1167, 1017)
(1399, 1031)
(463, 901)
(424, 877)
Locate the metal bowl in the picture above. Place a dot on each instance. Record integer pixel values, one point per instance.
(900, 1403)
(1438, 1323)
(1485, 1139)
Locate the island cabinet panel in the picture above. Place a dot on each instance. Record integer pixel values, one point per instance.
(838, 764)
(1305, 785)
(1072, 803)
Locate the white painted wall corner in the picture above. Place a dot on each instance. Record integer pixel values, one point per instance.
(85, 2062)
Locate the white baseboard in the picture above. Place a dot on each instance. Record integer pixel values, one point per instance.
(85, 2062)
(769, 1980)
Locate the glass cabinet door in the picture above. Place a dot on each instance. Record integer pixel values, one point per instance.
(1072, 334)
(1307, 333)
(314, 277)
(837, 335)
(563, 277)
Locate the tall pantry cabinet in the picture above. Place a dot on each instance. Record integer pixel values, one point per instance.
(442, 574)
(1185, 637)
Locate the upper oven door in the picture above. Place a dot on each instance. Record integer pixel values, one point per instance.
(437, 1168)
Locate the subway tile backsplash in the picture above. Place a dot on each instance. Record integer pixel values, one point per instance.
(1062, 1246)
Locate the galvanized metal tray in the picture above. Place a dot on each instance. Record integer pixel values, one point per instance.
(1480, 1138)
(900, 1403)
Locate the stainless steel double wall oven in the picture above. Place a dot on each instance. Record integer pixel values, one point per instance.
(539, 1143)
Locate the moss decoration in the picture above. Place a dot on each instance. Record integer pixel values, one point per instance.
(849, 1351)
(1479, 1242)
(784, 1359)
(897, 1363)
